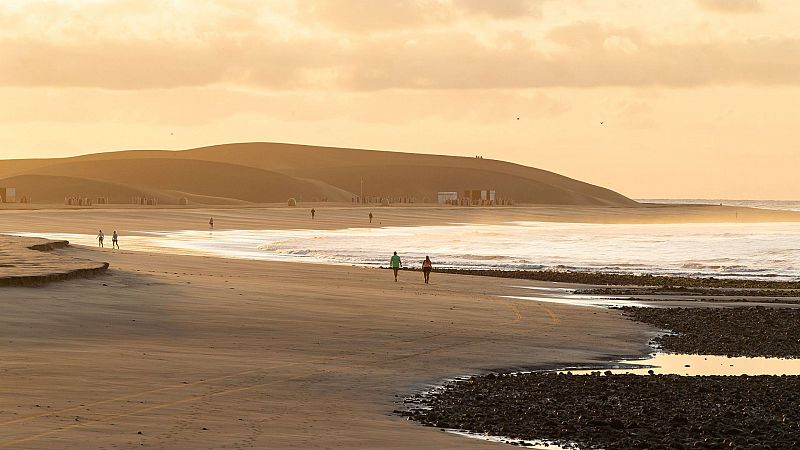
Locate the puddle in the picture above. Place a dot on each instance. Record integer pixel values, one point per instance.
(501, 440)
(663, 364)
(582, 300)
(694, 365)
(566, 296)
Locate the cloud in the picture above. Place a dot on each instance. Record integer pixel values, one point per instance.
(730, 6)
(280, 47)
(588, 55)
(504, 9)
(376, 16)
(381, 16)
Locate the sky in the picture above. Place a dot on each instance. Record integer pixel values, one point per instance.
(654, 99)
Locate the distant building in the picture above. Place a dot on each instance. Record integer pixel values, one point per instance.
(480, 197)
(8, 194)
(447, 198)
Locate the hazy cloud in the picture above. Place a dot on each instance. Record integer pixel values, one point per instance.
(589, 56)
(737, 6)
(361, 16)
(383, 45)
(370, 15)
(504, 9)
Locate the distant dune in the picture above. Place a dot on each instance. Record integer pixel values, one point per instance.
(268, 172)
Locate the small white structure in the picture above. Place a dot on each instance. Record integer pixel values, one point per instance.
(447, 198)
(8, 194)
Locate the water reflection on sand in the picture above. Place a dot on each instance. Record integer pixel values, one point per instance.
(693, 365)
(565, 296)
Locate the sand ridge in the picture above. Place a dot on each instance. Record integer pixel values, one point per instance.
(33, 262)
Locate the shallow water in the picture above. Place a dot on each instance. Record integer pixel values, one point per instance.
(785, 205)
(760, 251)
(692, 365)
(567, 297)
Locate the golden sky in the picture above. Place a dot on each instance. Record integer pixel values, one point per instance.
(698, 98)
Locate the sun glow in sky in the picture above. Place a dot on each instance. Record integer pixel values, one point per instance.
(697, 98)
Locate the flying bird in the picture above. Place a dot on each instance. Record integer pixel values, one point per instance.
(601, 123)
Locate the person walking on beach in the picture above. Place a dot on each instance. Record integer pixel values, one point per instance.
(313, 212)
(100, 237)
(115, 240)
(395, 264)
(370, 217)
(427, 267)
(211, 223)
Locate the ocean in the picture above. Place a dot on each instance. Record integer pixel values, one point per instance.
(783, 205)
(723, 250)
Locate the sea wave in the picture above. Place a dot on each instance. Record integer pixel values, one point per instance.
(707, 250)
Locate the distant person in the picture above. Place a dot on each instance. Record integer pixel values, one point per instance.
(100, 237)
(427, 267)
(395, 264)
(313, 213)
(211, 223)
(370, 217)
(115, 240)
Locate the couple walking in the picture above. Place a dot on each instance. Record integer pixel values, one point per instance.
(427, 267)
(114, 239)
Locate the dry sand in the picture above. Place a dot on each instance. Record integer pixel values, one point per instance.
(197, 352)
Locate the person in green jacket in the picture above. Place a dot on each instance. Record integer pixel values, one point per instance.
(396, 264)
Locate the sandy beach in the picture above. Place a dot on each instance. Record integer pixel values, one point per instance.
(330, 216)
(197, 352)
(170, 351)
(592, 190)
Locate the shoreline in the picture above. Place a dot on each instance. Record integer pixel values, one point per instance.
(284, 347)
(514, 406)
(258, 353)
(612, 279)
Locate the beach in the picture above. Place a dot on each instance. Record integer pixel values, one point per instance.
(198, 352)
(182, 351)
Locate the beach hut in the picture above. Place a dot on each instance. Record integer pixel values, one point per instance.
(8, 194)
(447, 198)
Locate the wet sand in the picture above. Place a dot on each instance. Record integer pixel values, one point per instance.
(196, 352)
(623, 410)
(129, 219)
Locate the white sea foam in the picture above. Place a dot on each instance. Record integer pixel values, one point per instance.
(759, 250)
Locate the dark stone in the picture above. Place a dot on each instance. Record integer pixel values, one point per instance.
(623, 411)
